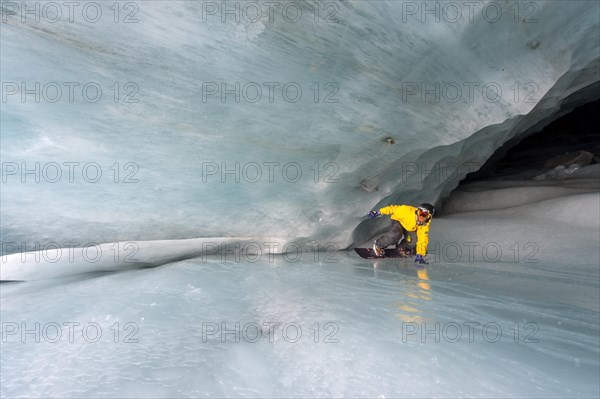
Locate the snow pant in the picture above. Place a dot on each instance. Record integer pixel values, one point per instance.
(393, 237)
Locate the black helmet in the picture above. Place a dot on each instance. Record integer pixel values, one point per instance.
(430, 209)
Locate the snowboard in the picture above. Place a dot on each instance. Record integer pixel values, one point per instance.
(368, 253)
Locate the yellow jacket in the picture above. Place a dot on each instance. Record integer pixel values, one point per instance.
(407, 216)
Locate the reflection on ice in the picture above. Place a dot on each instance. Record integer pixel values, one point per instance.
(351, 328)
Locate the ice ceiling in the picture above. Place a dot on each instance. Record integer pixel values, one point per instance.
(181, 119)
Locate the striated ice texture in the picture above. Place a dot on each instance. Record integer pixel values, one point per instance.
(188, 119)
(180, 180)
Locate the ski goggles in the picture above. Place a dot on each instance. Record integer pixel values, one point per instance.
(423, 212)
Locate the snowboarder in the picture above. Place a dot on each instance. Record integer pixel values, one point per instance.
(408, 222)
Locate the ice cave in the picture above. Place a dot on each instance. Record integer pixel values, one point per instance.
(184, 184)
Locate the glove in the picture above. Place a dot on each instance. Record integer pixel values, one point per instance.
(420, 259)
(374, 214)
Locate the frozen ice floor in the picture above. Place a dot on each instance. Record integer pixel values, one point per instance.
(335, 325)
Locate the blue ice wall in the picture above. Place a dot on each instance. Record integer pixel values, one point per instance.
(180, 119)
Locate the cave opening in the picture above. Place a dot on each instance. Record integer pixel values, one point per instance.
(572, 138)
